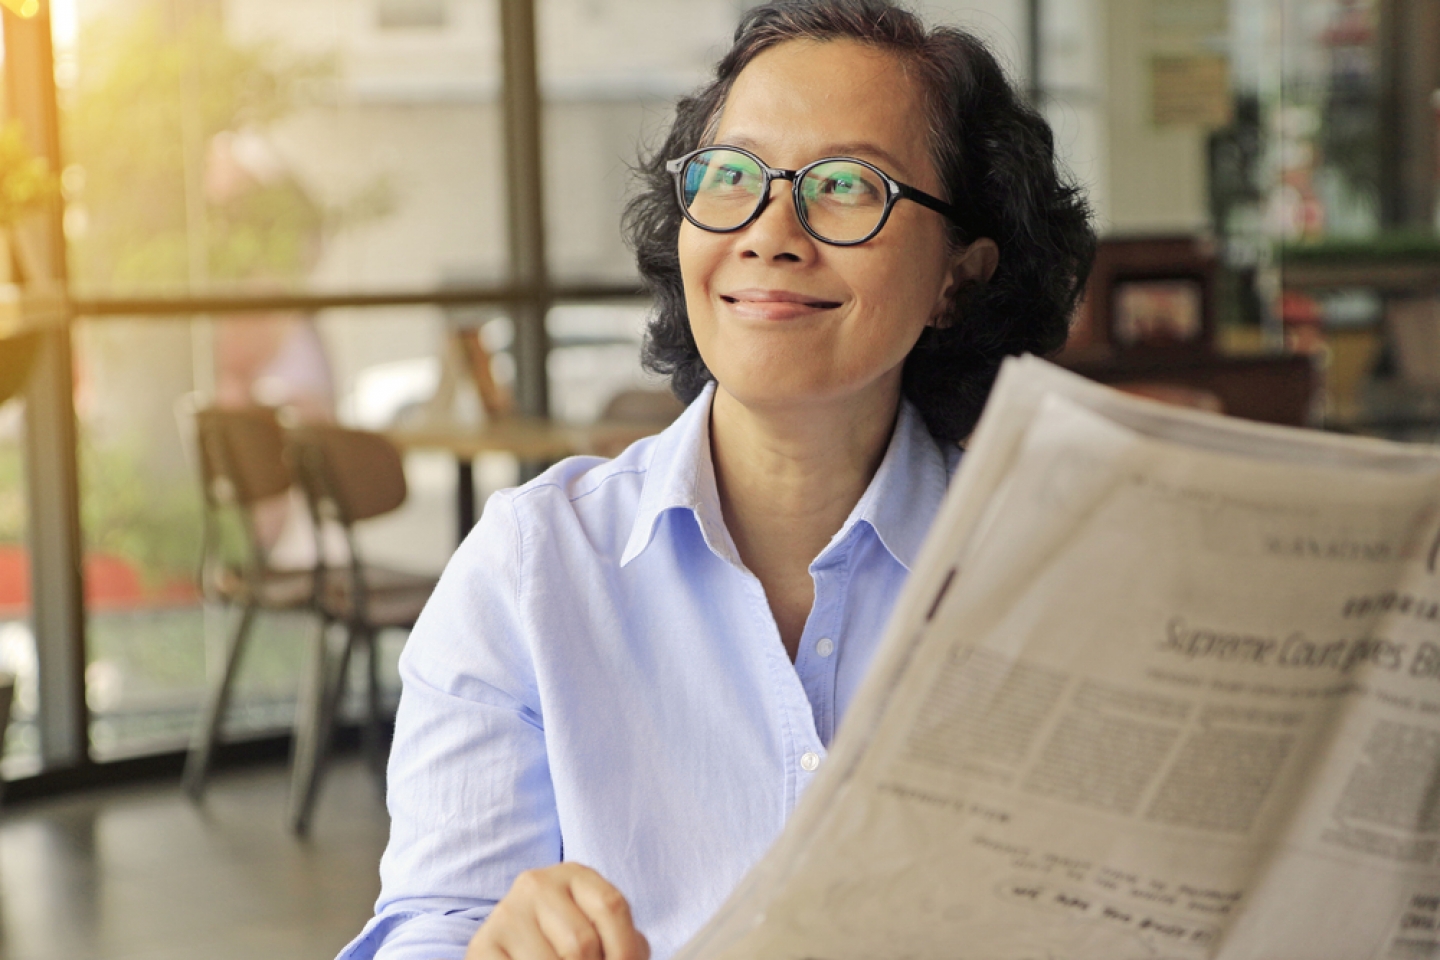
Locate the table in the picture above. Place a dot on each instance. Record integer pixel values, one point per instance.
(528, 439)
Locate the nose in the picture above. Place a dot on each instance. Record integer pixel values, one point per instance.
(777, 235)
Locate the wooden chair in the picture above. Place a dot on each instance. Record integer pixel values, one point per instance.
(656, 408)
(348, 476)
(242, 466)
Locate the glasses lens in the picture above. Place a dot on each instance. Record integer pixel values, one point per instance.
(843, 200)
(721, 188)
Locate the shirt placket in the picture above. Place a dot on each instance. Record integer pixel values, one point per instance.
(820, 644)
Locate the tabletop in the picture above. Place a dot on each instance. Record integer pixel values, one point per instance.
(527, 438)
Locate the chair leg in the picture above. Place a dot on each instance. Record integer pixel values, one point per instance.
(309, 706)
(374, 738)
(314, 727)
(207, 728)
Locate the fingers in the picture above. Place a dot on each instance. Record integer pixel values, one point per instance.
(609, 911)
(564, 912)
(515, 937)
(570, 933)
(511, 931)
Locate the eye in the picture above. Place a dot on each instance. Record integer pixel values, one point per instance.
(721, 172)
(732, 176)
(843, 183)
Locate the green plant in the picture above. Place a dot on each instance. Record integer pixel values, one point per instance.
(155, 526)
(1391, 246)
(158, 83)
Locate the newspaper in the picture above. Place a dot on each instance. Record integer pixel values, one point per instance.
(1162, 685)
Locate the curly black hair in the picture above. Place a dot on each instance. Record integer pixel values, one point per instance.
(996, 158)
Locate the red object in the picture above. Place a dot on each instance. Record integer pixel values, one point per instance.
(1298, 308)
(111, 583)
(14, 581)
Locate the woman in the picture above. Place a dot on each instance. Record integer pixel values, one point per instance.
(636, 665)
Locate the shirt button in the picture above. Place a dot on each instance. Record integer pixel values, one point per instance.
(809, 761)
(825, 647)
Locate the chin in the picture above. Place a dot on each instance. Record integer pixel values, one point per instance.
(780, 389)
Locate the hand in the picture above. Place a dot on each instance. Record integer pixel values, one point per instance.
(564, 912)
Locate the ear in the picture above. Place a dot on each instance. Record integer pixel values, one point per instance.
(971, 265)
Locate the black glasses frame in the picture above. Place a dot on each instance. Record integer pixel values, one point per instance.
(894, 191)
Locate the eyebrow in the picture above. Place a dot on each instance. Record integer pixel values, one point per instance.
(863, 149)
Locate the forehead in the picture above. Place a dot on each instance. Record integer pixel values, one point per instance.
(806, 99)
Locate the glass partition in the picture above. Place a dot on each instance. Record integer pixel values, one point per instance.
(251, 148)
(265, 146)
(595, 356)
(609, 75)
(1344, 96)
(140, 508)
(17, 638)
(151, 640)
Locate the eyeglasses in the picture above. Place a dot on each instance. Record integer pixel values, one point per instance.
(839, 200)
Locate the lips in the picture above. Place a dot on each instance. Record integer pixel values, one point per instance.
(776, 304)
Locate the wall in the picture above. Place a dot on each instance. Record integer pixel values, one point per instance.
(1155, 176)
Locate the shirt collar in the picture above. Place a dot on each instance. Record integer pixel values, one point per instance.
(905, 494)
(681, 475)
(901, 500)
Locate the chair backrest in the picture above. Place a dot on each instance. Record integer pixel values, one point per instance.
(642, 406)
(242, 455)
(242, 460)
(359, 474)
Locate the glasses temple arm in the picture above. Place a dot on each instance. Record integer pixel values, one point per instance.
(947, 210)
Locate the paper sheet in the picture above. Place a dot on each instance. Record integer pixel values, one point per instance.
(1162, 685)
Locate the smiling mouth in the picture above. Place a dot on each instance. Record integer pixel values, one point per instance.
(800, 301)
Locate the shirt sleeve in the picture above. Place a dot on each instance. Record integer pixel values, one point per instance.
(469, 790)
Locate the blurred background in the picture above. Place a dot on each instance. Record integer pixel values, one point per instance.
(297, 202)
(309, 203)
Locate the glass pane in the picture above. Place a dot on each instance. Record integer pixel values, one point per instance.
(152, 640)
(594, 357)
(17, 638)
(1327, 122)
(610, 74)
(1333, 202)
(269, 145)
(141, 525)
(402, 367)
(20, 748)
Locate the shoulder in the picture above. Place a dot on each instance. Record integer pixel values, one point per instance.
(579, 505)
(560, 528)
(575, 480)
(584, 489)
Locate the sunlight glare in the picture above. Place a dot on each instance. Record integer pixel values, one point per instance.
(22, 8)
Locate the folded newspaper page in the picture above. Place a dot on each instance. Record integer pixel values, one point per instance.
(1162, 686)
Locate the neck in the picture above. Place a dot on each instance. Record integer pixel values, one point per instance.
(787, 481)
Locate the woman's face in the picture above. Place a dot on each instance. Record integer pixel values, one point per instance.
(781, 319)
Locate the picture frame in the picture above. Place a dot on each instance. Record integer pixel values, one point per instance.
(1157, 312)
(1153, 294)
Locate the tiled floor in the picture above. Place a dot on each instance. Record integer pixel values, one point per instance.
(139, 873)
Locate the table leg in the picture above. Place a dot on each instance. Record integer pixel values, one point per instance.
(464, 496)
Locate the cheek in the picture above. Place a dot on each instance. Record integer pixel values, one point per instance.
(696, 250)
(905, 288)
(698, 260)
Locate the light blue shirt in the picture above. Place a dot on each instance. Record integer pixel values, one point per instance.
(598, 678)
